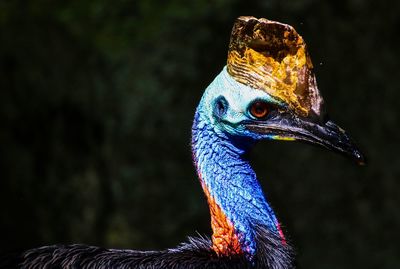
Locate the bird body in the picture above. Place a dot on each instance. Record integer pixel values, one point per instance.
(246, 232)
(250, 100)
(196, 253)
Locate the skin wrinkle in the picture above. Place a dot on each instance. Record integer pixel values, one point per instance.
(240, 192)
(239, 166)
(232, 185)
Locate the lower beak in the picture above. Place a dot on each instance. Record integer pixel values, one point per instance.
(328, 134)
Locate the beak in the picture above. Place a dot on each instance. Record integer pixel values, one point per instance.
(287, 126)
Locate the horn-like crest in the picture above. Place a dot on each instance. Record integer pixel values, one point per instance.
(273, 57)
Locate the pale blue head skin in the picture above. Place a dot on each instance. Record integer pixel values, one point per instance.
(238, 99)
(219, 142)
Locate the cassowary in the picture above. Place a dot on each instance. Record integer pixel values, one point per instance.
(267, 91)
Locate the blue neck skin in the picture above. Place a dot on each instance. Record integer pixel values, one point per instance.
(230, 180)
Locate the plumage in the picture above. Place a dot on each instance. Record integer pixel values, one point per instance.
(239, 108)
(196, 253)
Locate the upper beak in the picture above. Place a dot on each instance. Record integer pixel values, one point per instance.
(328, 134)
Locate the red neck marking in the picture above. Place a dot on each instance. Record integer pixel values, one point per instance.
(224, 238)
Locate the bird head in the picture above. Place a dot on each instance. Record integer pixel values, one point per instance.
(268, 90)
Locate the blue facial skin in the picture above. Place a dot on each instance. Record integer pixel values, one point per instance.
(219, 143)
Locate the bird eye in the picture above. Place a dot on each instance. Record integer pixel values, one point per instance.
(259, 109)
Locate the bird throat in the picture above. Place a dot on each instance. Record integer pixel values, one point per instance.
(236, 201)
(225, 239)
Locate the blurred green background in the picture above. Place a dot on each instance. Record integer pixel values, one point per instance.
(96, 104)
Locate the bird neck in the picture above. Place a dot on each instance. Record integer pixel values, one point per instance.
(237, 203)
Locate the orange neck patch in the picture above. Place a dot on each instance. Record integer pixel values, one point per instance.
(225, 240)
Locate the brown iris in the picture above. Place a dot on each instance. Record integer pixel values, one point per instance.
(259, 109)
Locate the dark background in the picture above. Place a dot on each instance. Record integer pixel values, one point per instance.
(96, 105)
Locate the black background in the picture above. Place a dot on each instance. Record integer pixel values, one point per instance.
(96, 104)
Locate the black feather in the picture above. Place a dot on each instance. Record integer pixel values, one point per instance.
(197, 253)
